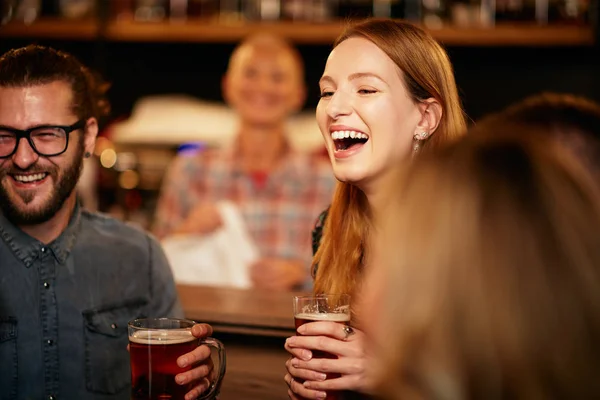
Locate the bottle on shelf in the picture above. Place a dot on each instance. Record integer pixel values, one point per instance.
(25, 11)
(230, 11)
(178, 10)
(469, 13)
(77, 9)
(262, 10)
(435, 13)
(150, 10)
(389, 9)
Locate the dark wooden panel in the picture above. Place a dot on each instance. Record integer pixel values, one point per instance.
(255, 368)
(253, 325)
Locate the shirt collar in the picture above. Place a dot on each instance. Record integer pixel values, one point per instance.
(27, 249)
(289, 168)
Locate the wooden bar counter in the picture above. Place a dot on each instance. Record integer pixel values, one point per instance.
(253, 325)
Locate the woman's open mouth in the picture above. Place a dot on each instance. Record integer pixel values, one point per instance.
(347, 140)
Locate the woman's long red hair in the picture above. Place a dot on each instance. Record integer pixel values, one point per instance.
(427, 73)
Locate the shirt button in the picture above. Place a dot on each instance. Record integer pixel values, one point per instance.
(49, 342)
(43, 249)
(46, 285)
(51, 397)
(113, 326)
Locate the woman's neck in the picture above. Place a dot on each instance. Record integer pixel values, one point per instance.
(260, 149)
(377, 194)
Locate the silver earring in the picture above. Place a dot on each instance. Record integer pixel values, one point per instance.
(416, 146)
(418, 138)
(421, 135)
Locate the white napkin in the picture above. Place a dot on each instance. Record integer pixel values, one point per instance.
(221, 258)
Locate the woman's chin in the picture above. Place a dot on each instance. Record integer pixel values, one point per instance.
(350, 177)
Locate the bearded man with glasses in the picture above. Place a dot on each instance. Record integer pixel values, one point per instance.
(70, 279)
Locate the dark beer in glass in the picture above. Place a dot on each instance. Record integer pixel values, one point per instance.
(154, 364)
(326, 307)
(154, 346)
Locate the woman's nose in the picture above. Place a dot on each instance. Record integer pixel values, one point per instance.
(338, 105)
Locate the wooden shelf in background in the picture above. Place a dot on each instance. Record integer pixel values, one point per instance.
(50, 28)
(202, 31)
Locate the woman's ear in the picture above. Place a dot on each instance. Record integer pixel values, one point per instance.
(431, 115)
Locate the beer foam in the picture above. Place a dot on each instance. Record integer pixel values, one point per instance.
(333, 317)
(161, 337)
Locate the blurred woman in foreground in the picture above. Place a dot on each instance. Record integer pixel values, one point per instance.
(489, 281)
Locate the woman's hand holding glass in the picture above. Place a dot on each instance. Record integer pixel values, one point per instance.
(306, 375)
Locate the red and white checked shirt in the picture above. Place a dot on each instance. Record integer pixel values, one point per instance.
(279, 212)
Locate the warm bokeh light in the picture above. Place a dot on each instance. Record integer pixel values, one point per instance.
(129, 179)
(102, 144)
(108, 158)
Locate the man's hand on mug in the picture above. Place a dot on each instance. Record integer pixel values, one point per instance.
(202, 370)
(277, 273)
(202, 220)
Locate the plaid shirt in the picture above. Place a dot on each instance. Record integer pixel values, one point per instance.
(279, 214)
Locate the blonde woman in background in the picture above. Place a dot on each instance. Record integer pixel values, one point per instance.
(489, 287)
(387, 92)
(278, 190)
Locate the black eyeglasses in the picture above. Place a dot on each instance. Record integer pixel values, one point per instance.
(45, 140)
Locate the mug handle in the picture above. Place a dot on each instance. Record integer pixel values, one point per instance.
(215, 386)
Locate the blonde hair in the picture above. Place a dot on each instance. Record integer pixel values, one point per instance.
(427, 73)
(492, 283)
(272, 44)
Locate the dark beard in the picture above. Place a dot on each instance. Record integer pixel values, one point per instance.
(64, 188)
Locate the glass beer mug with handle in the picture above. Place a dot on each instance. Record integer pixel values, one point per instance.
(154, 346)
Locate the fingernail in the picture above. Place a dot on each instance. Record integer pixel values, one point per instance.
(321, 395)
(306, 355)
(290, 342)
(321, 377)
(182, 362)
(294, 362)
(180, 379)
(301, 329)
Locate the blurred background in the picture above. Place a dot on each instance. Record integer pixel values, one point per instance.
(164, 60)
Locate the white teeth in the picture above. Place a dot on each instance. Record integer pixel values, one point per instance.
(337, 135)
(30, 178)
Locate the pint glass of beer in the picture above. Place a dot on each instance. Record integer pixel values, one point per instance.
(324, 307)
(154, 346)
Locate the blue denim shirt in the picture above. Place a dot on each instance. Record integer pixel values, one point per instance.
(64, 307)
